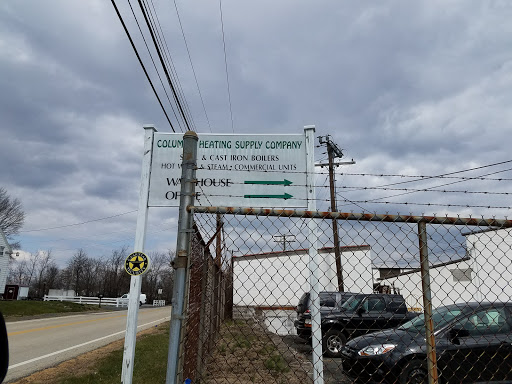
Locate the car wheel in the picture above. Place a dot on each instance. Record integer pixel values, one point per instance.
(415, 372)
(332, 342)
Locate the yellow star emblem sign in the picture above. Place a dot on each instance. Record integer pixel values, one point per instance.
(136, 263)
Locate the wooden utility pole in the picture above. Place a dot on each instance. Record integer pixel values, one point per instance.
(332, 152)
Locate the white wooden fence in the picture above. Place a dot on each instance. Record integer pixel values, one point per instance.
(116, 301)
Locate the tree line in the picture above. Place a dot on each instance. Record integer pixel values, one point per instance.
(89, 276)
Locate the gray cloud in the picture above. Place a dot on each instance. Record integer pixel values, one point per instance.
(403, 87)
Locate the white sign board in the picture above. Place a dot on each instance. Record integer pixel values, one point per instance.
(233, 170)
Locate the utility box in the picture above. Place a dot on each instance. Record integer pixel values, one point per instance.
(11, 292)
(22, 293)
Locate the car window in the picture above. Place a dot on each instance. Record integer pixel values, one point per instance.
(376, 304)
(373, 304)
(440, 316)
(352, 303)
(327, 299)
(488, 322)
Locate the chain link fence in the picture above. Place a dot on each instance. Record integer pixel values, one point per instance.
(420, 295)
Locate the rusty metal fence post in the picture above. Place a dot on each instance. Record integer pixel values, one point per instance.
(183, 241)
(427, 304)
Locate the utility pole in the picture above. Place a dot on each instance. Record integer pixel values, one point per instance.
(284, 240)
(332, 152)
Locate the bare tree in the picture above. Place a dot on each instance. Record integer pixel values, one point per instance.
(11, 215)
(45, 259)
(159, 263)
(117, 280)
(76, 267)
(100, 274)
(167, 277)
(18, 272)
(51, 277)
(31, 267)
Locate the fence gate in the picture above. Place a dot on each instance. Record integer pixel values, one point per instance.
(412, 306)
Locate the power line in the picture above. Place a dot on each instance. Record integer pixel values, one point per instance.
(141, 63)
(167, 62)
(154, 64)
(167, 55)
(75, 224)
(226, 66)
(106, 242)
(192, 65)
(155, 43)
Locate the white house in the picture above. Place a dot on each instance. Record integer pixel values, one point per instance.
(5, 251)
(484, 274)
(278, 279)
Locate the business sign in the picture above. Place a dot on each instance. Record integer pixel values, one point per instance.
(233, 170)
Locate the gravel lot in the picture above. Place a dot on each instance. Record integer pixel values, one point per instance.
(333, 371)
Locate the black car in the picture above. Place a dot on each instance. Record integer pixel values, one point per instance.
(359, 315)
(330, 301)
(473, 344)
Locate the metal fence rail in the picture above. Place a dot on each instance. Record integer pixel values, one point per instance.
(115, 301)
(427, 262)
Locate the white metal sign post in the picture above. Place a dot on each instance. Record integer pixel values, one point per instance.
(314, 262)
(233, 170)
(135, 281)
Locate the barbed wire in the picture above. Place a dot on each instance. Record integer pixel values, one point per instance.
(425, 190)
(420, 177)
(426, 204)
(355, 202)
(434, 186)
(362, 188)
(424, 176)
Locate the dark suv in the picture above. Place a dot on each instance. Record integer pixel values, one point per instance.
(473, 344)
(330, 302)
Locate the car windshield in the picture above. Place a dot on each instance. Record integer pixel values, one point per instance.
(440, 316)
(352, 303)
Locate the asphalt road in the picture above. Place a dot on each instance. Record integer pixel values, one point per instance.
(38, 344)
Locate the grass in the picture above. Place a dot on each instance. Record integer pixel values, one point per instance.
(245, 352)
(150, 363)
(13, 309)
(276, 363)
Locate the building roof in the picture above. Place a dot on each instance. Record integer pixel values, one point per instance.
(415, 270)
(3, 241)
(303, 251)
(490, 229)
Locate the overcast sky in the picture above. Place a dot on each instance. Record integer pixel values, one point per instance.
(405, 88)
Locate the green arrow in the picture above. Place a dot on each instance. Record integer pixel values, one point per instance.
(270, 182)
(285, 196)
